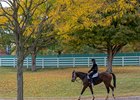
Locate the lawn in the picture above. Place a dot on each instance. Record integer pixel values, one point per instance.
(57, 82)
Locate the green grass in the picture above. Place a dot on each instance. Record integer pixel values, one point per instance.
(57, 83)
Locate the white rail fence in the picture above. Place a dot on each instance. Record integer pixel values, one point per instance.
(58, 62)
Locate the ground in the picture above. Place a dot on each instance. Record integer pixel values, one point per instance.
(45, 83)
(83, 98)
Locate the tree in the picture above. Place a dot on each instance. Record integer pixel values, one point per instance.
(44, 42)
(21, 20)
(102, 28)
(121, 18)
(71, 15)
(117, 24)
(6, 40)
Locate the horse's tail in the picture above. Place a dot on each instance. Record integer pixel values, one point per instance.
(114, 79)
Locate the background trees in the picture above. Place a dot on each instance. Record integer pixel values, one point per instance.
(108, 27)
(6, 40)
(71, 15)
(118, 26)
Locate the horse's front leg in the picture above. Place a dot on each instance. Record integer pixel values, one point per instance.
(91, 89)
(84, 87)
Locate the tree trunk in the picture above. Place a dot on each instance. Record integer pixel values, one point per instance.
(33, 62)
(109, 61)
(19, 78)
(111, 52)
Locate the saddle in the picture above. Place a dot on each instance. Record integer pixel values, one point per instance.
(94, 78)
(95, 75)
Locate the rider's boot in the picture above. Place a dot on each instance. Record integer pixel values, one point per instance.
(91, 82)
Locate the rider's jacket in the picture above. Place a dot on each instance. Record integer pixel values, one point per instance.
(94, 68)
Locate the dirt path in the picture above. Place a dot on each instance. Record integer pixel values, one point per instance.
(84, 98)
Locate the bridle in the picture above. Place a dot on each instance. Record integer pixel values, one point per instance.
(74, 77)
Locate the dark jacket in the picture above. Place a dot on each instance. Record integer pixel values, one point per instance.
(94, 68)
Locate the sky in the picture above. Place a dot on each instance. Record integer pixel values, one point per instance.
(4, 4)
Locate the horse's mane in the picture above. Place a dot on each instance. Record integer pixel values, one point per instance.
(81, 75)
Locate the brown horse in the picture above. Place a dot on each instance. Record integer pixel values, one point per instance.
(104, 77)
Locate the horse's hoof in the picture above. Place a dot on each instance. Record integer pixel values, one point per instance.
(93, 98)
(114, 98)
(106, 98)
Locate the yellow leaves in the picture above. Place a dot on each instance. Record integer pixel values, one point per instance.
(62, 2)
(28, 31)
(75, 14)
(88, 23)
(78, 12)
(63, 28)
(116, 10)
(106, 22)
(3, 20)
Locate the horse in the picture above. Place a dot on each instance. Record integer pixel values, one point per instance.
(104, 77)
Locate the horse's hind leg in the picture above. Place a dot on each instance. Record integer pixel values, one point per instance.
(108, 90)
(112, 91)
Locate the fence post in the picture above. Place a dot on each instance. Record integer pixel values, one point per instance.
(73, 62)
(88, 62)
(122, 61)
(14, 62)
(27, 63)
(104, 61)
(57, 62)
(139, 60)
(42, 62)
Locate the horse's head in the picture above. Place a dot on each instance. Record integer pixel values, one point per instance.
(73, 76)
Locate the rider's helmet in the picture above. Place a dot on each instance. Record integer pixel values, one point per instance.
(93, 60)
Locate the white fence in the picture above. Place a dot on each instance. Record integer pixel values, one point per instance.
(57, 62)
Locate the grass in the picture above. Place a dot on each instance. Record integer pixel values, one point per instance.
(57, 83)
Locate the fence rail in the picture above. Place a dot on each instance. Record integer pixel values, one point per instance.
(57, 62)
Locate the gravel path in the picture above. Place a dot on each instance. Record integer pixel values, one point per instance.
(84, 98)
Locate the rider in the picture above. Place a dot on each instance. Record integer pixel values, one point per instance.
(93, 72)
